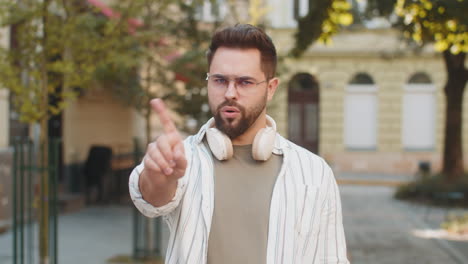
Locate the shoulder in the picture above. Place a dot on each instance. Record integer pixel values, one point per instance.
(311, 165)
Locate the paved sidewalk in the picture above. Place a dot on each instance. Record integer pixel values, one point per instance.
(92, 235)
(378, 229)
(382, 230)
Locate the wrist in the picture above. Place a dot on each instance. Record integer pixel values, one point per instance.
(157, 191)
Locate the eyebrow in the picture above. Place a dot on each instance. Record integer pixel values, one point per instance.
(241, 77)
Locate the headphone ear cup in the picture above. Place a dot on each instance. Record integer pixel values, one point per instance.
(263, 144)
(220, 144)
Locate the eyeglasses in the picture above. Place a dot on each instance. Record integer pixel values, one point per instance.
(222, 82)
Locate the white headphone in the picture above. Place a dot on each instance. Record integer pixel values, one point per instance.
(262, 147)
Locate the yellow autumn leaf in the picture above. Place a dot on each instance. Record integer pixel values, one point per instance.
(441, 45)
(345, 19)
(427, 5)
(451, 25)
(451, 37)
(417, 37)
(465, 48)
(326, 27)
(422, 13)
(343, 5)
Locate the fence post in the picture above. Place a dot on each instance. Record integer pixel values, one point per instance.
(30, 201)
(142, 247)
(14, 193)
(53, 174)
(24, 217)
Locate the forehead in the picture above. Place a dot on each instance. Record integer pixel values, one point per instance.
(235, 61)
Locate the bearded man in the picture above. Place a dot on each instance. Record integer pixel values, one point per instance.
(237, 191)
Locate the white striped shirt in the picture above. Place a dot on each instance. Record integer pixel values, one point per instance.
(305, 223)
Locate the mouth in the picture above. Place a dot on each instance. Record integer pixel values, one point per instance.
(230, 111)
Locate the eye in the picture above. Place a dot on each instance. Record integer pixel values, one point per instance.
(220, 80)
(246, 83)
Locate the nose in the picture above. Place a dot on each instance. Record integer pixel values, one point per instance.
(231, 91)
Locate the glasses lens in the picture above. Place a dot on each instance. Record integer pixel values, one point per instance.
(218, 82)
(245, 84)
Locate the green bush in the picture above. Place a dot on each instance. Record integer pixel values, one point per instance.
(435, 190)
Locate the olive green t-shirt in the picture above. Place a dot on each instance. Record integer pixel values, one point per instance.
(242, 195)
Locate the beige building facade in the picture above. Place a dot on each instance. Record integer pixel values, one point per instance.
(381, 106)
(387, 125)
(97, 118)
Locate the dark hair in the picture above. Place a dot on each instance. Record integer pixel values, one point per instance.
(245, 36)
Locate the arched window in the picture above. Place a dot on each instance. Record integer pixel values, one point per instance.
(419, 78)
(419, 108)
(361, 78)
(303, 111)
(360, 113)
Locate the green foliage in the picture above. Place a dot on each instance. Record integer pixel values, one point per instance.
(192, 66)
(56, 47)
(168, 59)
(324, 19)
(444, 22)
(435, 190)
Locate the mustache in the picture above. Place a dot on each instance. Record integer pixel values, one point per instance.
(230, 103)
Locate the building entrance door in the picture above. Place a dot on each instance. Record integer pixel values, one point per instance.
(303, 111)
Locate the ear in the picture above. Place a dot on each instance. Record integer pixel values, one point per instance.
(272, 85)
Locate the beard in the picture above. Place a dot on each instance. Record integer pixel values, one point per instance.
(247, 117)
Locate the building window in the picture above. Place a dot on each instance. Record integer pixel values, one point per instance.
(360, 113)
(284, 14)
(211, 11)
(303, 111)
(419, 108)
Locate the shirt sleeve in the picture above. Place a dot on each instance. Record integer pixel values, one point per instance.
(332, 243)
(148, 209)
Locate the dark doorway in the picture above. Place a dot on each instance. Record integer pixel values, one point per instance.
(303, 111)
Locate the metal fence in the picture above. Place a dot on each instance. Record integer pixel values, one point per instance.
(26, 199)
(146, 231)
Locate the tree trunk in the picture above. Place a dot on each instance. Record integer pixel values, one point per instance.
(453, 148)
(44, 148)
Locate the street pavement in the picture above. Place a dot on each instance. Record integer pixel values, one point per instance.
(379, 229)
(91, 236)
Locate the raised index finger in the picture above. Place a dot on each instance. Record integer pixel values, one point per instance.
(166, 121)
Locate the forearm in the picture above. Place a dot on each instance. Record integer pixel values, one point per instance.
(144, 206)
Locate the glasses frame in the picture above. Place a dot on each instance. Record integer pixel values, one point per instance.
(235, 80)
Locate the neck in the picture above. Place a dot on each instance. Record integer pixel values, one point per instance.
(248, 137)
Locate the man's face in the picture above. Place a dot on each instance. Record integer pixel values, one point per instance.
(235, 98)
